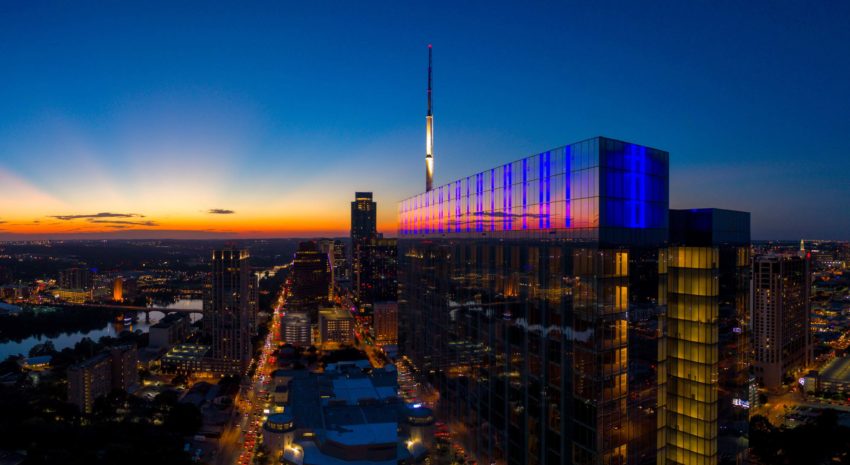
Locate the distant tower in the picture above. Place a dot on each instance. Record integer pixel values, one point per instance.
(429, 134)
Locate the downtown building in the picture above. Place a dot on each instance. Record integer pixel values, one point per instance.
(781, 318)
(535, 300)
(228, 307)
(312, 283)
(374, 257)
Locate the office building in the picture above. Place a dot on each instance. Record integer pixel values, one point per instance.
(363, 230)
(781, 320)
(335, 251)
(385, 322)
(377, 277)
(515, 285)
(336, 326)
(363, 217)
(76, 279)
(228, 309)
(312, 286)
(295, 329)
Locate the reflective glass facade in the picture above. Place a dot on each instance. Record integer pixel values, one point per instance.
(688, 353)
(599, 189)
(515, 288)
(704, 354)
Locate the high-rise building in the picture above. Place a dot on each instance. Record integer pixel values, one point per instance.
(295, 329)
(125, 371)
(89, 380)
(118, 289)
(363, 230)
(312, 286)
(335, 251)
(363, 217)
(377, 278)
(704, 285)
(76, 278)
(228, 309)
(340, 268)
(781, 320)
(515, 285)
(385, 323)
(97, 376)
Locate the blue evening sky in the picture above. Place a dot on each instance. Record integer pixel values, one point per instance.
(306, 102)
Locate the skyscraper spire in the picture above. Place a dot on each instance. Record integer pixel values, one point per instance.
(429, 134)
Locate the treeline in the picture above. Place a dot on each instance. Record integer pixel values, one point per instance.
(28, 323)
(822, 441)
(123, 429)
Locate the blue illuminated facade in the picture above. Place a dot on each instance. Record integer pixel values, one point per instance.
(516, 286)
(599, 190)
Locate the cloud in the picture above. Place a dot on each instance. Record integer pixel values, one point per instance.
(2, 221)
(97, 215)
(124, 223)
(220, 211)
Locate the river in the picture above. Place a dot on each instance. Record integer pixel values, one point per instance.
(111, 328)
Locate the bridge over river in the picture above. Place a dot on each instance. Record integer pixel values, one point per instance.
(133, 308)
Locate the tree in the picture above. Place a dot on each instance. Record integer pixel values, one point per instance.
(180, 380)
(45, 348)
(184, 419)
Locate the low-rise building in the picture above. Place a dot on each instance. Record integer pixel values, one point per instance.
(170, 330)
(349, 413)
(336, 326)
(295, 329)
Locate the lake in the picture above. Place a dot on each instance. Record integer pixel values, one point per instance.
(111, 328)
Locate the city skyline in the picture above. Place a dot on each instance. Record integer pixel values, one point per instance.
(249, 125)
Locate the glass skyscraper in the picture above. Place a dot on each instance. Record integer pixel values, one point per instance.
(515, 288)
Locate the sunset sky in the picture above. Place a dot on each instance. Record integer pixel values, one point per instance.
(181, 119)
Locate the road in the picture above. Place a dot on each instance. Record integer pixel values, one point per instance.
(239, 442)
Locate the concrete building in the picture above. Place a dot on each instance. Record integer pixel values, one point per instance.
(76, 278)
(117, 368)
(172, 329)
(125, 371)
(336, 326)
(781, 317)
(296, 329)
(89, 380)
(385, 323)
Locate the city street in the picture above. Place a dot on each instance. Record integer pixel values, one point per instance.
(240, 440)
